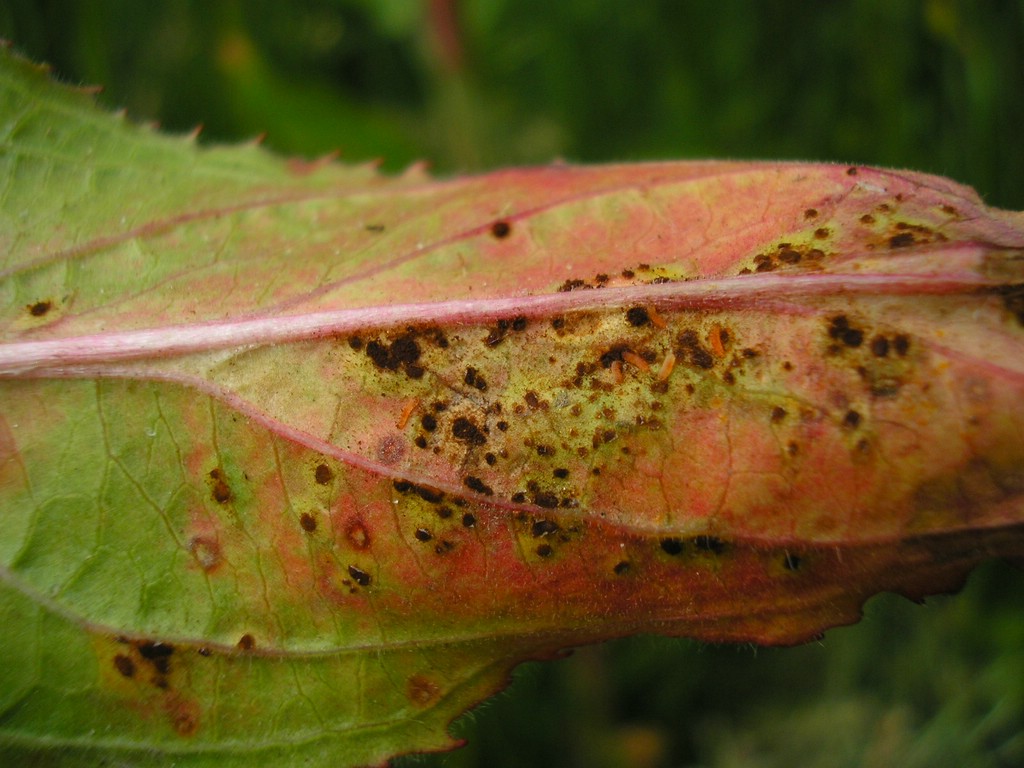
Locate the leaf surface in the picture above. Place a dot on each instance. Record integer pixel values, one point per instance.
(296, 461)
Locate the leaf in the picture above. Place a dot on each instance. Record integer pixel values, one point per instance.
(296, 462)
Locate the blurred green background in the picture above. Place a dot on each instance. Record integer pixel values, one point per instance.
(935, 85)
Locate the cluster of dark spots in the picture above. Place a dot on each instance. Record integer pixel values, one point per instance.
(778, 414)
(791, 562)
(323, 474)
(672, 546)
(637, 317)
(158, 654)
(465, 430)
(711, 544)
(308, 522)
(355, 342)
(404, 352)
(361, 577)
(501, 229)
(602, 436)
(840, 329)
(574, 284)
(561, 473)
(124, 665)
(534, 401)
(422, 534)
(851, 419)
(443, 547)
(428, 494)
(219, 488)
(437, 336)
(468, 520)
(39, 308)
(621, 568)
(913, 234)
(474, 379)
(690, 348)
(476, 484)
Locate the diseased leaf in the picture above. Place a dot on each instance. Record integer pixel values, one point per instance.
(297, 461)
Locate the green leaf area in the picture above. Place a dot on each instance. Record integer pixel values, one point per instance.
(298, 461)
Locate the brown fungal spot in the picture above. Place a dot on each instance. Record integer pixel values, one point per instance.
(901, 343)
(361, 577)
(902, 240)
(219, 488)
(572, 285)
(637, 317)
(308, 522)
(375, 228)
(880, 346)
(124, 665)
(502, 425)
(545, 499)
(1013, 300)
(323, 474)
(422, 691)
(355, 342)
(444, 512)
(465, 430)
(545, 450)
(810, 213)
(501, 229)
(420, 441)
(851, 419)
(357, 535)
(428, 422)
(792, 448)
(561, 473)
(543, 550)
(851, 171)
(468, 520)
(532, 400)
(184, 716)
(622, 567)
(490, 458)
(778, 414)
(789, 256)
(791, 562)
(822, 233)
(867, 218)
(478, 485)
(672, 546)
(422, 534)
(39, 308)
(519, 323)
(158, 654)
(206, 551)
(246, 642)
